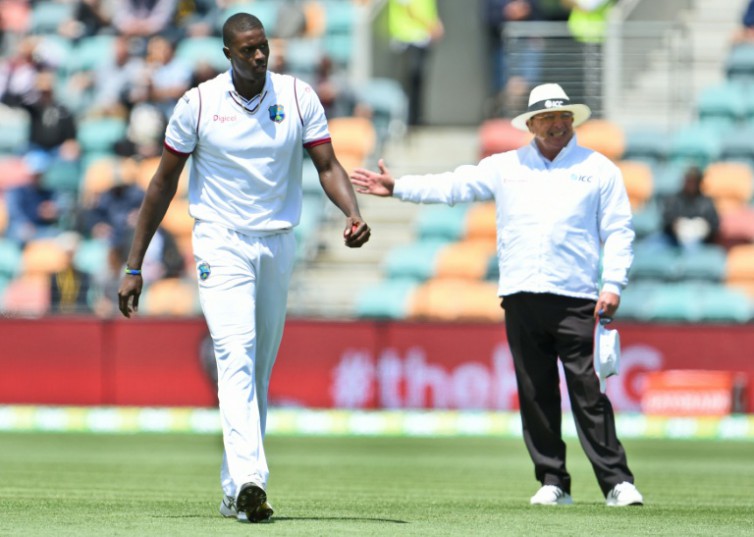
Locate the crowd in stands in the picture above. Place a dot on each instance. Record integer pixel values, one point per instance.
(86, 89)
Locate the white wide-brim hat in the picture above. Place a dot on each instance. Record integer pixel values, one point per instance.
(551, 98)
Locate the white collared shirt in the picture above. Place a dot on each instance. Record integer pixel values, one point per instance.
(246, 167)
(553, 217)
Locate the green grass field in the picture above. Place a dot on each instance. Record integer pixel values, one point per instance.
(70, 484)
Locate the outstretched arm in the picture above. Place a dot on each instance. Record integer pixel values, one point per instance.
(334, 181)
(376, 184)
(160, 192)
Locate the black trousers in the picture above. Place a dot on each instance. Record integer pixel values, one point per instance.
(541, 328)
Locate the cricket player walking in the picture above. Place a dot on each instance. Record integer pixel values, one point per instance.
(244, 130)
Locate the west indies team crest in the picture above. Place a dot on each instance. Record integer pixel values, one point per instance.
(277, 113)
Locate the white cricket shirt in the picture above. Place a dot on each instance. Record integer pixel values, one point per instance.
(552, 217)
(246, 167)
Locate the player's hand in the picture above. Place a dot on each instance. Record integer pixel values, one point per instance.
(607, 305)
(369, 182)
(128, 294)
(357, 232)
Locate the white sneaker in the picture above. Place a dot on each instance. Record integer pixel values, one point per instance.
(551, 495)
(624, 494)
(228, 507)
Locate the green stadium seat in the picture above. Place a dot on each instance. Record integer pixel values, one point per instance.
(739, 65)
(10, 258)
(205, 49)
(46, 17)
(265, 10)
(695, 145)
(677, 302)
(655, 262)
(668, 178)
(99, 135)
(390, 299)
(648, 219)
(725, 305)
(413, 261)
(704, 263)
(636, 297)
(90, 53)
(91, 256)
(646, 144)
(63, 176)
(441, 221)
(739, 145)
(389, 105)
(14, 130)
(721, 107)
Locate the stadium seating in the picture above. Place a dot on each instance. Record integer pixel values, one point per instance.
(204, 49)
(467, 259)
(414, 261)
(42, 256)
(736, 227)
(46, 17)
(90, 53)
(10, 258)
(637, 177)
(173, 297)
(389, 299)
(28, 295)
(695, 144)
(99, 135)
(449, 299)
(499, 135)
(389, 107)
(14, 130)
(738, 145)
(441, 222)
(91, 256)
(13, 172)
(729, 184)
(604, 136)
(481, 222)
(646, 144)
(721, 107)
(354, 140)
(739, 65)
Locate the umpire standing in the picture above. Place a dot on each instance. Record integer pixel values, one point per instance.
(558, 204)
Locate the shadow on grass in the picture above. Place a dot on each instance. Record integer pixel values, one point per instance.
(338, 518)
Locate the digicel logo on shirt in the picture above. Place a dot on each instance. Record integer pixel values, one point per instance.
(223, 119)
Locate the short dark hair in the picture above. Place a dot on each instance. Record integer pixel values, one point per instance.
(240, 22)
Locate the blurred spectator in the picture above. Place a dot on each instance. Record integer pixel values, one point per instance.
(163, 258)
(142, 19)
(745, 32)
(333, 89)
(18, 73)
(90, 17)
(689, 218)
(33, 210)
(290, 21)
(415, 27)
(516, 66)
(169, 77)
(70, 287)
(116, 85)
(587, 24)
(107, 281)
(198, 18)
(114, 212)
(145, 133)
(52, 133)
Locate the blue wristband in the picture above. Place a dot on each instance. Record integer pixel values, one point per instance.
(133, 271)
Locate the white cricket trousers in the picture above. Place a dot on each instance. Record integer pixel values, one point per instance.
(243, 289)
